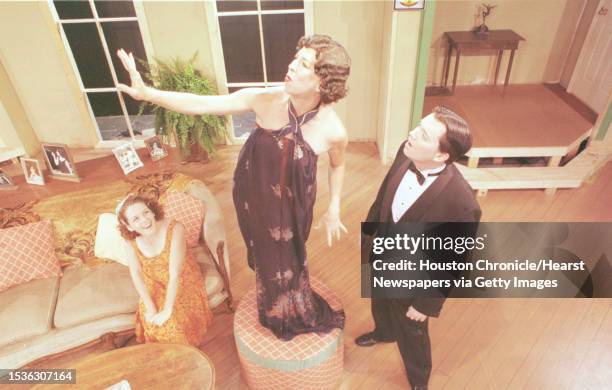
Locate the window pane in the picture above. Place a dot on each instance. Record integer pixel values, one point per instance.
(241, 48)
(233, 6)
(124, 35)
(72, 9)
(243, 123)
(281, 35)
(281, 4)
(110, 118)
(88, 54)
(114, 9)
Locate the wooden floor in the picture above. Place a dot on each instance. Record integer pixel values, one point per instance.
(529, 115)
(477, 344)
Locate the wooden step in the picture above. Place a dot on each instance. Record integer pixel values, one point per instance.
(572, 175)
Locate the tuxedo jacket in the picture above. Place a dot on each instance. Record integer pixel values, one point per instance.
(449, 199)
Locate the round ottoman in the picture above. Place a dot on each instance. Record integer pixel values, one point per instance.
(308, 361)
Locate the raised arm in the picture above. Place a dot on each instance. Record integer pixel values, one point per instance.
(138, 280)
(183, 102)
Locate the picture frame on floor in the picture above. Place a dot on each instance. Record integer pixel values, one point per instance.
(157, 149)
(60, 162)
(6, 183)
(128, 158)
(32, 171)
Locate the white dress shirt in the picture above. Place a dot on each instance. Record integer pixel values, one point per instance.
(409, 190)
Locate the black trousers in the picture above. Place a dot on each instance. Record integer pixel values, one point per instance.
(412, 338)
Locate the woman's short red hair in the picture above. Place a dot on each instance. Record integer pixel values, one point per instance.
(130, 200)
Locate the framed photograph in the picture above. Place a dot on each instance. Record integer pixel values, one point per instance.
(156, 148)
(400, 5)
(60, 162)
(127, 157)
(32, 171)
(6, 183)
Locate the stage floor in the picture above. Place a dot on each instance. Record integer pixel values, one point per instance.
(528, 115)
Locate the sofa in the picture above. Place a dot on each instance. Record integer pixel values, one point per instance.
(94, 299)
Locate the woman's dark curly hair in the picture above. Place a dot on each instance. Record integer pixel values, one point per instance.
(130, 200)
(333, 66)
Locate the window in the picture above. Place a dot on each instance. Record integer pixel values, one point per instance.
(259, 39)
(92, 31)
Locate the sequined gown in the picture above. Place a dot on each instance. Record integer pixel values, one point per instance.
(274, 194)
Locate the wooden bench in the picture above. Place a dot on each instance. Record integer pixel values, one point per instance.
(580, 169)
(553, 153)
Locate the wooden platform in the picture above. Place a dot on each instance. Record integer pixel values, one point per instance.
(528, 121)
(572, 175)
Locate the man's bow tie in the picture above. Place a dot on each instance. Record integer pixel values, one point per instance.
(419, 175)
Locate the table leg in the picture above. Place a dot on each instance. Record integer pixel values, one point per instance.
(456, 70)
(473, 162)
(554, 161)
(500, 53)
(509, 69)
(447, 65)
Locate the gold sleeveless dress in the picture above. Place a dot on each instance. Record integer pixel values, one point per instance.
(190, 316)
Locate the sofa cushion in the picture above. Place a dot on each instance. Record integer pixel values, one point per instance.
(87, 294)
(27, 253)
(26, 310)
(109, 243)
(187, 210)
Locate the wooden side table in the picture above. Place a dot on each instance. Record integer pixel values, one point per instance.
(145, 366)
(499, 40)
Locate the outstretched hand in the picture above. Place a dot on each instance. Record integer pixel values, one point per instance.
(333, 226)
(138, 90)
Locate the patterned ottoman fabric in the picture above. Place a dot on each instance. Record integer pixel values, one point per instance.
(308, 361)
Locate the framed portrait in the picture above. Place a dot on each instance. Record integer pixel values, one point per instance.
(127, 157)
(6, 183)
(32, 171)
(60, 162)
(401, 5)
(157, 149)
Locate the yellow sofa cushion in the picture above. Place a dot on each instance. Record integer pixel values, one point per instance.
(88, 294)
(27, 310)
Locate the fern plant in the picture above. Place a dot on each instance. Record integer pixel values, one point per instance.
(181, 76)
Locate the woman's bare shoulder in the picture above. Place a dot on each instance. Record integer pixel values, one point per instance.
(334, 128)
(264, 98)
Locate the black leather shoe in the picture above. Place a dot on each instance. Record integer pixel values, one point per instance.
(369, 339)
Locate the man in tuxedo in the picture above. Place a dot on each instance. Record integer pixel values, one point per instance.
(422, 185)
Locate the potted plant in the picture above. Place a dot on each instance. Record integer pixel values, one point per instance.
(195, 135)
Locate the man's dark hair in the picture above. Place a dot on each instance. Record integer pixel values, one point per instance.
(457, 140)
(333, 66)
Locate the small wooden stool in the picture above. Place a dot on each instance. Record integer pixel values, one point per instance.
(308, 361)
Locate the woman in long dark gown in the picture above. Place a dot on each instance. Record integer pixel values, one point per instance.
(275, 177)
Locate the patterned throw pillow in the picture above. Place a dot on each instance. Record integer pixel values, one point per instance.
(187, 210)
(27, 253)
